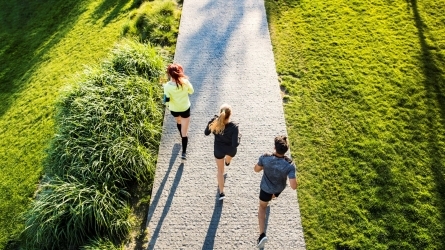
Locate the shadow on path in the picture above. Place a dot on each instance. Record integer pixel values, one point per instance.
(214, 222)
(167, 206)
(213, 227)
(155, 199)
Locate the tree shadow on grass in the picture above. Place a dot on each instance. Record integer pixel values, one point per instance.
(433, 64)
(390, 199)
(28, 31)
(111, 9)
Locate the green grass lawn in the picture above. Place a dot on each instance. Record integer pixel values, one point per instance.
(43, 45)
(365, 110)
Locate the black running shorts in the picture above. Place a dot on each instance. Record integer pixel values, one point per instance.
(183, 114)
(221, 151)
(266, 197)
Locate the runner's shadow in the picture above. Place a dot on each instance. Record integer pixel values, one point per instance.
(214, 222)
(155, 199)
(213, 227)
(167, 206)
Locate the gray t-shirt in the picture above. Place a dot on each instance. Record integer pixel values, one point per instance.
(276, 170)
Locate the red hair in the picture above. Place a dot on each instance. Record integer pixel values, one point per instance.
(176, 72)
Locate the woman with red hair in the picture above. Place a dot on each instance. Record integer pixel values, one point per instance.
(177, 92)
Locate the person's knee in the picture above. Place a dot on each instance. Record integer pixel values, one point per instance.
(263, 204)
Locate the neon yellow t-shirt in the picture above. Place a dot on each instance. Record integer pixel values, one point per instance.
(179, 96)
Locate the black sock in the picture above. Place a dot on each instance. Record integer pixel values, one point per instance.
(185, 140)
(179, 128)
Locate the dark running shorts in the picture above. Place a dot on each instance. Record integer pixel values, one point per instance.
(220, 152)
(266, 197)
(183, 114)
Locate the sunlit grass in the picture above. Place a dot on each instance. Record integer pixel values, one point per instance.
(44, 44)
(365, 112)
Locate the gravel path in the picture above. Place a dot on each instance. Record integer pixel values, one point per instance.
(225, 48)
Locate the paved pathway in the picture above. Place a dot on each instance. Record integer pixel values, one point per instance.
(225, 48)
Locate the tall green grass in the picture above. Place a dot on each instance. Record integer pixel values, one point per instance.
(106, 122)
(110, 124)
(155, 22)
(365, 110)
(69, 212)
(101, 244)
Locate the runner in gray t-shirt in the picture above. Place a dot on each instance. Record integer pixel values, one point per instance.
(277, 168)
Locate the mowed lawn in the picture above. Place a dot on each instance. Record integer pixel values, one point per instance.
(365, 110)
(43, 44)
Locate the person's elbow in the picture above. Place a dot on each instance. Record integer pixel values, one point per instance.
(257, 168)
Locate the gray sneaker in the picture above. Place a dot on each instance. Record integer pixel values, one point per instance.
(184, 156)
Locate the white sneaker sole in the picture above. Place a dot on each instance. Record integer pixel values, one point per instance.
(262, 242)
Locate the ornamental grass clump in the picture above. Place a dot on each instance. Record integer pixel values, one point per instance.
(67, 212)
(156, 22)
(109, 128)
(133, 58)
(101, 244)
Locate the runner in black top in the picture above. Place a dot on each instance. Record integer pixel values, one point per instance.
(226, 141)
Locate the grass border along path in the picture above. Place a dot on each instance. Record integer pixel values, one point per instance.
(365, 110)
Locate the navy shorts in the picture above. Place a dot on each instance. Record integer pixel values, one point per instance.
(266, 197)
(183, 114)
(220, 151)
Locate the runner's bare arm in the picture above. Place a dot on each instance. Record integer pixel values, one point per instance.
(257, 168)
(293, 183)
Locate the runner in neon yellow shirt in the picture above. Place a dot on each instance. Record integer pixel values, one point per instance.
(177, 92)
